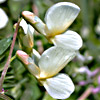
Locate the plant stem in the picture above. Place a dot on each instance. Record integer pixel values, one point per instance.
(12, 58)
(86, 93)
(9, 57)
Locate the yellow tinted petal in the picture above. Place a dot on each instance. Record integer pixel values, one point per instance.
(69, 39)
(53, 60)
(59, 17)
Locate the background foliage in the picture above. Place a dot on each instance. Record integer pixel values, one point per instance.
(20, 84)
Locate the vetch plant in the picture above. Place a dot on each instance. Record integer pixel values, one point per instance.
(46, 67)
(58, 18)
(52, 61)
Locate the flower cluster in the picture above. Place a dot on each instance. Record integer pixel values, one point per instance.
(66, 44)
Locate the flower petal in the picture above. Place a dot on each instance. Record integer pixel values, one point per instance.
(60, 16)
(35, 56)
(30, 30)
(59, 87)
(53, 60)
(38, 56)
(3, 19)
(33, 69)
(69, 39)
(28, 38)
(24, 25)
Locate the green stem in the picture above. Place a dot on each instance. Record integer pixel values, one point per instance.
(12, 58)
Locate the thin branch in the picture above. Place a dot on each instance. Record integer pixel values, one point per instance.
(9, 57)
(86, 93)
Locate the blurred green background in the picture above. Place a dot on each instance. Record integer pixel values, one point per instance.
(20, 84)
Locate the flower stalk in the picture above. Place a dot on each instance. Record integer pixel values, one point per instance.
(9, 57)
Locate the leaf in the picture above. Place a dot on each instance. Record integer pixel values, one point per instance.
(4, 44)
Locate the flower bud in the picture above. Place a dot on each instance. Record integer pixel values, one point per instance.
(25, 36)
(28, 62)
(35, 21)
(22, 56)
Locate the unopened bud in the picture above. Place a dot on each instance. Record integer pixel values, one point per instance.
(22, 56)
(28, 38)
(28, 62)
(25, 36)
(35, 21)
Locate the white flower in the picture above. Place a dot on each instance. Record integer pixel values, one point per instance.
(51, 62)
(3, 19)
(58, 18)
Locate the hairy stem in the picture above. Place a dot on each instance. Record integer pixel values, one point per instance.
(9, 57)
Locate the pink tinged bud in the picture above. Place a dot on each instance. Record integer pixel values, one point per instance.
(29, 16)
(34, 21)
(23, 56)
